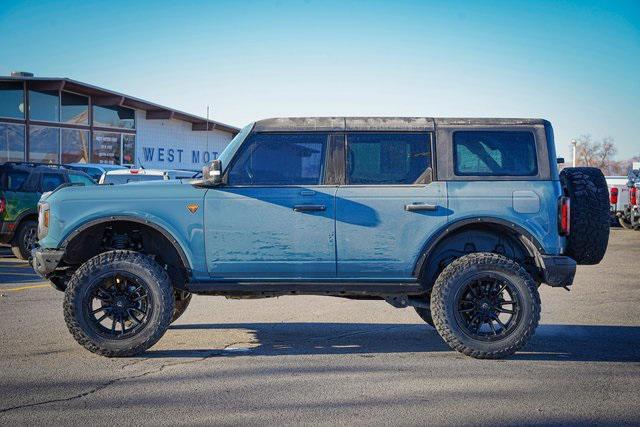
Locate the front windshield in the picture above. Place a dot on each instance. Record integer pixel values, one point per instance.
(227, 154)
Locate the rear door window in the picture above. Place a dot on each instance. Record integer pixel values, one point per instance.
(51, 181)
(388, 158)
(494, 153)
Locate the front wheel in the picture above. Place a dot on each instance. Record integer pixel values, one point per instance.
(25, 239)
(625, 224)
(119, 303)
(485, 305)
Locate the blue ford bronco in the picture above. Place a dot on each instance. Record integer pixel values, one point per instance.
(462, 219)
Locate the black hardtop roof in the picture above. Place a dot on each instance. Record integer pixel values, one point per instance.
(339, 124)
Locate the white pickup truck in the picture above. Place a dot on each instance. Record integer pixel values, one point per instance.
(633, 210)
(619, 200)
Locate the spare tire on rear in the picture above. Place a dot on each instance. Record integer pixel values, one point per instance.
(589, 215)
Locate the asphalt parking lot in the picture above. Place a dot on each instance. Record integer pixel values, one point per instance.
(326, 360)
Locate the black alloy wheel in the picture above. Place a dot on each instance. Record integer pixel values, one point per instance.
(118, 305)
(488, 307)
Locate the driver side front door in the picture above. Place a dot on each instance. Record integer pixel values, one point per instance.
(274, 218)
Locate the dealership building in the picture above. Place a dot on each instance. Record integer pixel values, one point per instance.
(59, 120)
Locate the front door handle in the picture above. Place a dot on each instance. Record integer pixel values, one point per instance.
(309, 208)
(414, 207)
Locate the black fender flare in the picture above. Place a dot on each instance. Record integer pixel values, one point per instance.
(130, 218)
(526, 238)
(25, 214)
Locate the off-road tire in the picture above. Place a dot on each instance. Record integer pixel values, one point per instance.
(180, 303)
(589, 215)
(443, 303)
(625, 224)
(19, 244)
(160, 293)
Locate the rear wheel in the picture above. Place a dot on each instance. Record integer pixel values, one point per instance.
(485, 305)
(118, 303)
(25, 239)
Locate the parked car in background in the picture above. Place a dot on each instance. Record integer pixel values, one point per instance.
(21, 185)
(462, 219)
(619, 200)
(124, 176)
(633, 210)
(94, 170)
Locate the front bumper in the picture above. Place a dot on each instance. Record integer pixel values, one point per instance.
(558, 271)
(45, 261)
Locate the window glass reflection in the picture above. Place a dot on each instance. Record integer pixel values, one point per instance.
(11, 142)
(75, 146)
(11, 100)
(44, 105)
(44, 144)
(75, 109)
(115, 117)
(106, 148)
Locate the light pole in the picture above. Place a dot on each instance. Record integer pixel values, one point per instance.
(573, 144)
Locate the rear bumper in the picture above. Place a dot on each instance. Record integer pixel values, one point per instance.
(45, 261)
(558, 271)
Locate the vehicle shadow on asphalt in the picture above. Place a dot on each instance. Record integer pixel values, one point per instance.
(592, 343)
(17, 271)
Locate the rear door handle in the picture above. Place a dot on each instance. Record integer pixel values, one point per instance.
(414, 207)
(309, 208)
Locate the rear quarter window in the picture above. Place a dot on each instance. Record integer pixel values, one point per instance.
(494, 153)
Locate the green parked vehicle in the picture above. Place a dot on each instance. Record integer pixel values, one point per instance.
(21, 185)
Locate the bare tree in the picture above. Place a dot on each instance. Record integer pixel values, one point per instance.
(597, 154)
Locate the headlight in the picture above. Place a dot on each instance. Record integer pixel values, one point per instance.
(43, 219)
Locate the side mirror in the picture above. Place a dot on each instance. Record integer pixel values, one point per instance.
(212, 172)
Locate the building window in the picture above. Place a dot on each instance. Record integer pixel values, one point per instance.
(12, 100)
(74, 145)
(44, 144)
(106, 148)
(44, 105)
(75, 109)
(128, 149)
(114, 117)
(11, 142)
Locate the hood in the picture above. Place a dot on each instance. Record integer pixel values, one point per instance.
(132, 191)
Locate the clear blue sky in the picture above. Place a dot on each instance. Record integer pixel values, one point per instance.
(576, 63)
